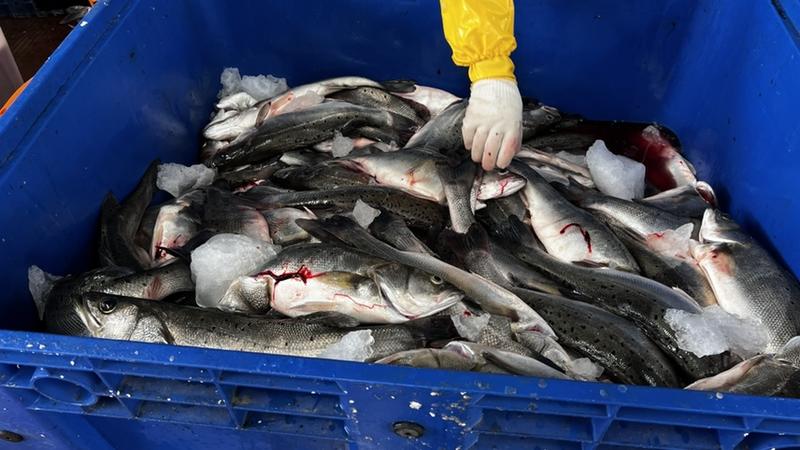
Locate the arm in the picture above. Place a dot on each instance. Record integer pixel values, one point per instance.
(481, 35)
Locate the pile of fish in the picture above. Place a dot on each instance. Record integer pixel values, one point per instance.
(344, 219)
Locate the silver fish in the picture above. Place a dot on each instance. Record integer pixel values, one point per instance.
(302, 128)
(114, 317)
(497, 184)
(410, 170)
(633, 297)
(567, 232)
(441, 358)
(626, 354)
(491, 297)
(636, 217)
(509, 361)
(746, 280)
(689, 200)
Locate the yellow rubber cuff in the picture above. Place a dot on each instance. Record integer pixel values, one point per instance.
(497, 67)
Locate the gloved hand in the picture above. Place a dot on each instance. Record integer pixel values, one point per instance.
(493, 122)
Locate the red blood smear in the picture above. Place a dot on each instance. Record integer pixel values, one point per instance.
(584, 233)
(303, 273)
(503, 184)
(656, 153)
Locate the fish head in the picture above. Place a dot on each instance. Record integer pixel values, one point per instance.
(109, 316)
(718, 227)
(413, 292)
(714, 257)
(499, 183)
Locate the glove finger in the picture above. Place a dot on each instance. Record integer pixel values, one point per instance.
(478, 143)
(491, 149)
(509, 148)
(468, 132)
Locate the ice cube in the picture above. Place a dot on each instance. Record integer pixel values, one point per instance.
(746, 337)
(178, 179)
(714, 331)
(695, 334)
(615, 175)
(468, 323)
(262, 87)
(341, 145)
(221, 260)
(672, 243)
(354, 346)
(364, 214)
(39, 284)
(231, 82)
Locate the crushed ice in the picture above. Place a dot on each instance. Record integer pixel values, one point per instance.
(354, 346)
(615, 175)
(178, 179)
(221, 260)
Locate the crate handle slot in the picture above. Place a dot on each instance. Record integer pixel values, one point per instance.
(70, 387)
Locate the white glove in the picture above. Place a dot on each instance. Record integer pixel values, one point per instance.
(493, 122)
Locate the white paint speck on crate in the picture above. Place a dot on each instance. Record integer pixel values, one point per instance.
(42, 346)
(351, 401)
(84, 23)
(72, 362)
(171, 358)
(432, 414)
(435, 394)
(414, 405)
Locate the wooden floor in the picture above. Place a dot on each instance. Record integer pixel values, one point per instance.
(32, 40)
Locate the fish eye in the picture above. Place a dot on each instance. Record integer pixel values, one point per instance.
(436, 280)
(502, 172)
(107, 305)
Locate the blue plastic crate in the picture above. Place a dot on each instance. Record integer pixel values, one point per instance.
(138, 81)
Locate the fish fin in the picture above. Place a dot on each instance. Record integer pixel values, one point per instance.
(706, 192)
(155, 290)
(590, 264)
(684, 293)
(344, 229)
(399, 86)
(516, 232)
(331, 318)
(573, 191)
(451, 247)
(477, 238)
(314, 228)
(263, 112)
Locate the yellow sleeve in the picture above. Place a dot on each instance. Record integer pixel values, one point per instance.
(481, 34)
